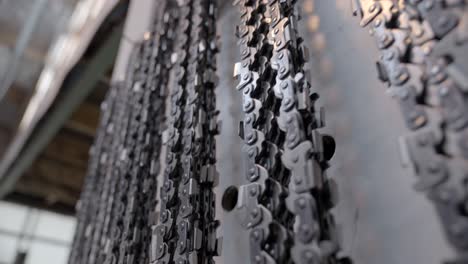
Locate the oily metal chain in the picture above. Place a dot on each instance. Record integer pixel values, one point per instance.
(106, 188)
(136, 217)
(188, 218)
(98, 154)
(164, 235)
(106, 158)
(126, 160)
(120, 123)
(192, 244)
(186, 185)
(163, 33)
(133, 221)
(259, 132)
(94, 227)
(302, 148)
(121, 130)
(83, 215)
(134, 237)
(416, 38)
(131, 231)
(209, 177)
(97, 231)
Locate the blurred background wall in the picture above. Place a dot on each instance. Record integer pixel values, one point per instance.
(43, 237)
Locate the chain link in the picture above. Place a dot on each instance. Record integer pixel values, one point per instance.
(187, 229)
(122, 175)
(287, 155)
(416, 39)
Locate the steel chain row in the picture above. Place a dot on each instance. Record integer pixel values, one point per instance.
(416, 39)
(187, 229)
(163, 33)
(260, 132)
(196, 223)
(164, 239)
(84, 205)
(120, 179)
(136, 218)
(287, 155)
(124, 196)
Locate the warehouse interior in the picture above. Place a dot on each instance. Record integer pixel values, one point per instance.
(58, 60)
(56, 67)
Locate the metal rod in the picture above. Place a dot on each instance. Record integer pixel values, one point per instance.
(21, 45)
(75, 92)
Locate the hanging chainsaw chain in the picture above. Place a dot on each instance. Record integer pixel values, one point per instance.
(163, 235)
(136, 217)
(197, 242)
(126, 164)
(164, 34)
(84, 205)
(114, 109)
(187, 229)
(106, 187)
(112, 230)
(130, 237)
(416, 38)
(287, 156)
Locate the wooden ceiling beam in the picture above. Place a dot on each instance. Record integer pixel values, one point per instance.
(39, 202)
(49, 192)
(57, 173)
(69, 148)
(85, 119)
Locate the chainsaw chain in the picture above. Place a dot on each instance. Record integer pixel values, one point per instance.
(164, 34)
(131, 231)
(287, 156)
(195, 221)
(84, 205)
(164, 238)
(120, 123)
(416, 39)
(187, 229)
(120, 140)
(133, 244)
(261, 132)
(114, 227)
(119, 202)
(127, 159)
(104, 187)
(137, 217)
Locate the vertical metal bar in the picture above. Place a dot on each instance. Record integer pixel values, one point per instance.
(23, 41)
(20, 258)
(28, 230)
